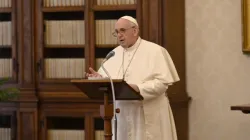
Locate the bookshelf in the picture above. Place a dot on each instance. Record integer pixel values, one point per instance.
(8, 121)
(8, 57)
(76, 34)
(51, 42)
(7, 128)
(98, 128)
(71, 128)
(61, 40)
(77, 120)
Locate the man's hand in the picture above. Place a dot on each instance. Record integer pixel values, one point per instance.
(92, 73)
(135, 87)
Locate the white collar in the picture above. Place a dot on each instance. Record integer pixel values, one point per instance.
(133, 47)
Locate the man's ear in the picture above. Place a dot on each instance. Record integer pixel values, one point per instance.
(136, 31)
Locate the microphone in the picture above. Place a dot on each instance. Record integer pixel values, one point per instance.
(109, 55)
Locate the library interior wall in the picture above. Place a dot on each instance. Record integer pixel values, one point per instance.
(217, 70)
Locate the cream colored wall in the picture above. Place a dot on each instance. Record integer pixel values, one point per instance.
(218, 73)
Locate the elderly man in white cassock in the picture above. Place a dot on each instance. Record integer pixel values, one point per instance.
(148, 69)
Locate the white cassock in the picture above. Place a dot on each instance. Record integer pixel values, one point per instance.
(150, 67)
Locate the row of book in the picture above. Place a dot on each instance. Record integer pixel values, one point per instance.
(55, 134)
(5, 68)
(115, 2)
(72, 32)
(5, 3)
(5, 134)
(66, 68)
(104, 32)
(65, 32)
(54, 67)
(5, 33)
(57, 3)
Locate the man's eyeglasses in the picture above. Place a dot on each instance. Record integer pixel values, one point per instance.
(122, 31)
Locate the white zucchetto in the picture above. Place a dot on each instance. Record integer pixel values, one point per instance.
(130, 19)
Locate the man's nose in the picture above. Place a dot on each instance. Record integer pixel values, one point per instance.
(119, 35)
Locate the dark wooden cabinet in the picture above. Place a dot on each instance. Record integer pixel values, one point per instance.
(8, 40)
(79, 118)
(54, 41)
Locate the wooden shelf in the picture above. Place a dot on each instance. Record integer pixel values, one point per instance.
(5, 10)
(58, 80)
(62, 96)
(114, 7)
(64, 9)
(107, 46)
(65, 46)
(5, 47)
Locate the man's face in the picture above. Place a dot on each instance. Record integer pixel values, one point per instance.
(125, 32)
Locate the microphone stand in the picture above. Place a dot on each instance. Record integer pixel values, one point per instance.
(114, 101)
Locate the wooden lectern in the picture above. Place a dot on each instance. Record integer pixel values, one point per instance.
(101, 89)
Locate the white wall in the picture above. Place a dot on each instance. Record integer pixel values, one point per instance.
(218, 73)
